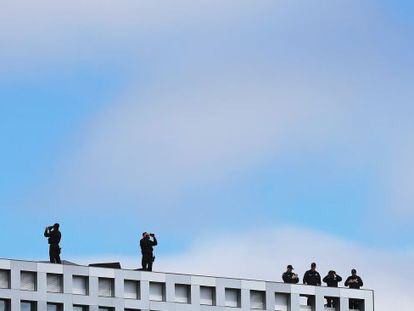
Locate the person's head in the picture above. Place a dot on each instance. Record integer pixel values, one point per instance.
(313, 266)
(145, 235)
(353, 272)
(289, 268)
(331, 272)
(56, 226)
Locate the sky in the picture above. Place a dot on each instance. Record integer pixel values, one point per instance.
(247, 135)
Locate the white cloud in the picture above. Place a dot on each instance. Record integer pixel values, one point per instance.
(199, 132)
(264, 254)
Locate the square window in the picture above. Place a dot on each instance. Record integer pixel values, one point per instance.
(54, 283)
(307, 302)
(207, 295)
(131, 289)
(106, 287)
(257, 300)
(54, 306)
(4, 305)
(157, 291)
(80, 285)
(281, 302)
(28, 306)
(28, 280)
(182, 293)
(233, 297)
(80, 308)
(4, 278)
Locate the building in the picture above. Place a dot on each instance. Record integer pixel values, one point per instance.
(37, 286)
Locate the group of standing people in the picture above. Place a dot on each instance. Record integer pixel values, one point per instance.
(332, 279)
(147, 243)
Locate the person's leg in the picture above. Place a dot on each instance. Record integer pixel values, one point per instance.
(329, 302)
(51, 258)
(150, 260)
(143, 263)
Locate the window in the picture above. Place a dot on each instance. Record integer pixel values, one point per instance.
(28, 280)
(257, 300)
(80, 285)
(131, 289)
(4, 305)
(106, 287)
(54, 283)
(4, 278)
(157, 291)
(54, 307)
(232, 296)
(304, 299)
(182, 293)
(207, 296)
(80, 308)
(281, 302)
(28, 306)
(106, 309)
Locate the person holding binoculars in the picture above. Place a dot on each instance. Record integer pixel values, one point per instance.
(147, 244)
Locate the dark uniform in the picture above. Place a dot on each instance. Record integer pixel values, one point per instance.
(332, 280)
(312, 277)
(288, 278)
(147, 248)
(54, 236)
(355, 282)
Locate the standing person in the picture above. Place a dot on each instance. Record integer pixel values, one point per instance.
(54, 236)
(312, 277)
(289, 276)
(147, 244)
(355, 282)
(331, 280)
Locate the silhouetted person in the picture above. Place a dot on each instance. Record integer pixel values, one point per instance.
(147, 244)
(355, 282)
(331, 280)
(312, 277)
(289, 276)
(54, 236)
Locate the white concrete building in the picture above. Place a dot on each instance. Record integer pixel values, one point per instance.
(37, 286)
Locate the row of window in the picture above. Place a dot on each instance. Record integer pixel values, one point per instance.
(132, 290)
(32, 306)
(80, 284)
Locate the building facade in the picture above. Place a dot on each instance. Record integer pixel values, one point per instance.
(37, 286)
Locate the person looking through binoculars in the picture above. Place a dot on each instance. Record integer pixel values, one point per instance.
(147, 244)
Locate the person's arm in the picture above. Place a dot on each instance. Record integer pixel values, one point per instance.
(305, 278)
(360, 283)
(285, 278)
(347, 282)
(338, 278)
(319, 280)
(47, 234)
(155, 242)
(325, 279)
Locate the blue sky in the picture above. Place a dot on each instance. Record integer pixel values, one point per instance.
(199, 120)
